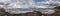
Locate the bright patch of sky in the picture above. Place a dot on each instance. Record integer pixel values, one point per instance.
(4, 0)
(41, 0)
(38, 1)
(57, 0)
(13, 0)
